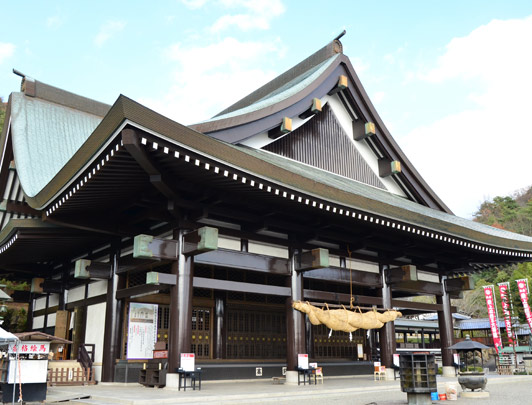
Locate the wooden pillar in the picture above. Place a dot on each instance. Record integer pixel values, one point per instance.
(387, 332)
(63, 294)
(445, 323)
(220, 325)
(309, 337)
(180, 325)
(113, 310)
(46, 305)
(295, 320)
(29, 323)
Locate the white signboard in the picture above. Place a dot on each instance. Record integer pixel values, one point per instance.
(142, 330)
(396, 360)
(31, 371)
(360, 350)
(302, 361)
(29, 347)
(187, 361)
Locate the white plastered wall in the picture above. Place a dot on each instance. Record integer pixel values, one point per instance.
(225, 242)
(38, 322)
(94, 331)
(76, 294)
(97, 288)
(268, 250)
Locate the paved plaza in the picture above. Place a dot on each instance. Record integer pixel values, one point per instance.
(359, 390)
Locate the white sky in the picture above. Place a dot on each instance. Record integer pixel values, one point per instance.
(451, 81)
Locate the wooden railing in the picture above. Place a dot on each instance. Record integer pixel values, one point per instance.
(70, 376)
(86, 357)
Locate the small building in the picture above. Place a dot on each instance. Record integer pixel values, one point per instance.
(296, 192)
(480, 330)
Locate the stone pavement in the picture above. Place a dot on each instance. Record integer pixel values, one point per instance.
(360, 390)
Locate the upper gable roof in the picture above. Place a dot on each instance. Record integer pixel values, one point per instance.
(291, 94)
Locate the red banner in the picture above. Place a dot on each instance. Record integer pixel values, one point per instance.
(504, 289)
(492, 314)
(522, 285)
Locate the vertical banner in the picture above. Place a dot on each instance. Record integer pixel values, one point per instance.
(142, 330)
(504, 290)
(492, 315)
(522, 286)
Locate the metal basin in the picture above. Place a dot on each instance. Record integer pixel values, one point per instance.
(472, 380)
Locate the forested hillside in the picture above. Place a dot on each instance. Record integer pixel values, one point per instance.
(512, 213)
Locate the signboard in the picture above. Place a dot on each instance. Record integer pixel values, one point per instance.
(522, 286)
(29, 347)
(360, 350)
(396, 360)
(492, 315)
(31, 371)
(504, 290)
(187, 361)
(302, 361)
(142, 330)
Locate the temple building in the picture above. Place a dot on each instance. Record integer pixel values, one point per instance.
(134, 229)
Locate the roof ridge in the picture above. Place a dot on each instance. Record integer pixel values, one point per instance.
(332, 48)
(34, 88)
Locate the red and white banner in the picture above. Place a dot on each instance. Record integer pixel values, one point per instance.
(492, 315)
(522, 286)
(504, 289)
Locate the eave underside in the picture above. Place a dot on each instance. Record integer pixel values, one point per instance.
(142, 187)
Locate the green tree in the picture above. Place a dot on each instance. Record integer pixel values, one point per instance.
(3, 107)
(15, 320)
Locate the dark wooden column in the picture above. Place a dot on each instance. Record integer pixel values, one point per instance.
(220, 325)
(387, 332)
(63, 294)
(180, 327)
(295, 320)
(113, 310)
(445, 323)
(29, 323)
(309, 337)
(45, 321)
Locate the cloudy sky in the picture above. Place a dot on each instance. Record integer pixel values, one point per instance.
(452, 80)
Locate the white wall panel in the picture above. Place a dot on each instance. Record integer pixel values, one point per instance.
(76, 294)
(268, 250)
(97, 288)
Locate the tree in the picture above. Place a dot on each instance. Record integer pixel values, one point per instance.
(512, 213)
(3, 107)
(15, 320)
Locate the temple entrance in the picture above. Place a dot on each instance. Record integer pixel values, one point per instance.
(256, 334)
(201, 332)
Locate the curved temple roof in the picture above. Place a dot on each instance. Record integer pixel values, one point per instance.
(54, 144)
(45, 137)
